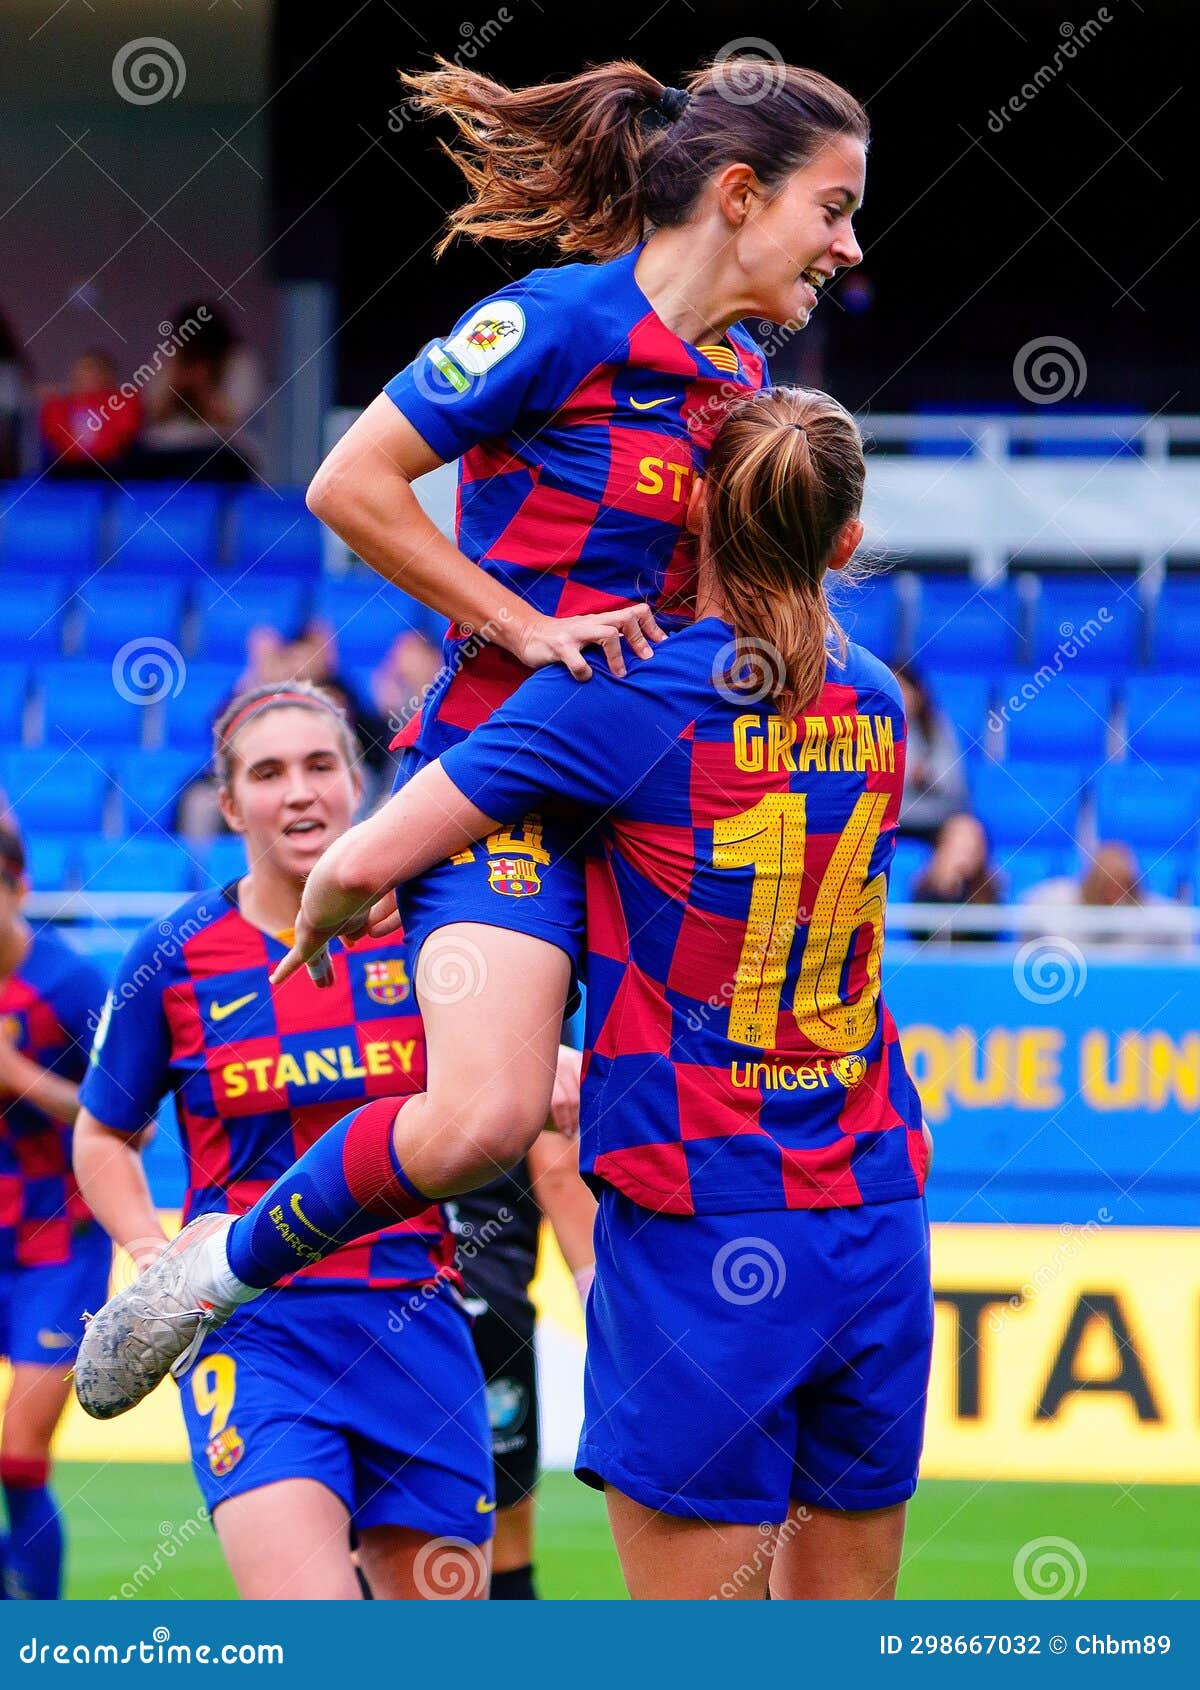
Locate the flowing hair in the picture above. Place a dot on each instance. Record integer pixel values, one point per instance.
(785, 474)
(589, 162)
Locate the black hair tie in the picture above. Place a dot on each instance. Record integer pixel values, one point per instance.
(670, 105)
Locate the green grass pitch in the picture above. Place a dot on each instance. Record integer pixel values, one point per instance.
(135, 1530)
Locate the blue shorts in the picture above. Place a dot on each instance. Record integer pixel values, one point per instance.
(377, 1394)
(738, 1363)
(527, 878)
(41, 1308)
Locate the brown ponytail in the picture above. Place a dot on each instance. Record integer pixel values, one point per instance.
(588, 163)
(785, 474)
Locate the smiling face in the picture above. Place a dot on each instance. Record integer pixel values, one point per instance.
(791, 242)
(292, 791)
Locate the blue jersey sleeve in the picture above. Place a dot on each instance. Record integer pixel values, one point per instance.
(131, 1052)
(79, 1005)
(509, 356)
(592, 742)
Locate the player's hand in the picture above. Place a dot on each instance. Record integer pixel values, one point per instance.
(384, 917)
(326, 912)
(564, 1100)
(561, 639)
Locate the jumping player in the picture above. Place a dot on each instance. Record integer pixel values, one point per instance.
(761, 1321)
(54, 1258)
(355, 1397)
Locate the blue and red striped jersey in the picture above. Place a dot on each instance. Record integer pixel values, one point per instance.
(578, 420)
(739, 1055)
(259, 1072)
(49, 1009)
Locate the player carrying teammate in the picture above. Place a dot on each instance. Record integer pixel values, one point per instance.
(54, 1258)
(354, 1396)
(760, 1327)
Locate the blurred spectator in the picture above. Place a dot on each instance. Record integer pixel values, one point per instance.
(15, 385)
(959, 872)
(198, 404)
(935, 787)
(90, 429)
(401, 681)
(1111, 880)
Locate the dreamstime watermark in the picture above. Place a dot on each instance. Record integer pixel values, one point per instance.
(450, 1569)
(472, 41)
(772, 1540)
(452, 969)
(469, 1241)
(172, 1539)
(148, 669)
(172, 337)
(148, 70)
(1072, 40)
(748, 70)
(1049, 369)
(747, 1270)
(1072, 641)
(173, 936)
(1072, 1241)
(1048, 1569)
(1049, 969)
(748, 670)
(770, 338)
(465, 649)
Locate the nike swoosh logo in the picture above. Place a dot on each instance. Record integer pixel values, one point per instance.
(483, 1506)
(649, 404)
(219, 1011)
(54, 1340)
(304, 1221)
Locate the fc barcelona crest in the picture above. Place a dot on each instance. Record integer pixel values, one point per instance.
(516, 877)
(225, 1451)
(387, 982)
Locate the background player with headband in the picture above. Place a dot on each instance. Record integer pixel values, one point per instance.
(54, 1259)
(746, 1107)
(356, 1396)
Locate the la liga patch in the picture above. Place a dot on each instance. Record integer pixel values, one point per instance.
(492, 333)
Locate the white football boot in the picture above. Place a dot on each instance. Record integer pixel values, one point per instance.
(157, 1324)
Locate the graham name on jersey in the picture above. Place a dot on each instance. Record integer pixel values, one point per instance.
(849, 744)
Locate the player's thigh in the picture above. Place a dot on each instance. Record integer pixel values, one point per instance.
(667, 1558)
(36, 1399)
(402, 1565)
(824, 1556)
(492, 1005)
(288, 1541)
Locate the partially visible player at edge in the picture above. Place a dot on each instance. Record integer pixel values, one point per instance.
(356, 1398)
(54, 1258)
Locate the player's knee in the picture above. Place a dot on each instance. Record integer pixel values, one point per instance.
(493, 1128)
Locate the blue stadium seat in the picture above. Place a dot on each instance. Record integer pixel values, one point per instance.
(1025, 869)
(83, 704)
(1067, 717)
(14, 687)
(1177, 625)
(274, 533)
(167, 528)
(910, 858)
(1162, 718)
(190, 716)
(366, 615)
(54, 791)
(961, 625)
(51, 862)
(1148, 808)
(1027, 803)
(150, 864)
(1091, 627)
(150, 784)
(224, 860)
(33, 613)
(119, 609)
(55, 528)
(965, 700)
(872, 616)
(229, 609)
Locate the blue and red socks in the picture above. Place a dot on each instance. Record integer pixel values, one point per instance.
(347, 1184)
(33, 1550)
